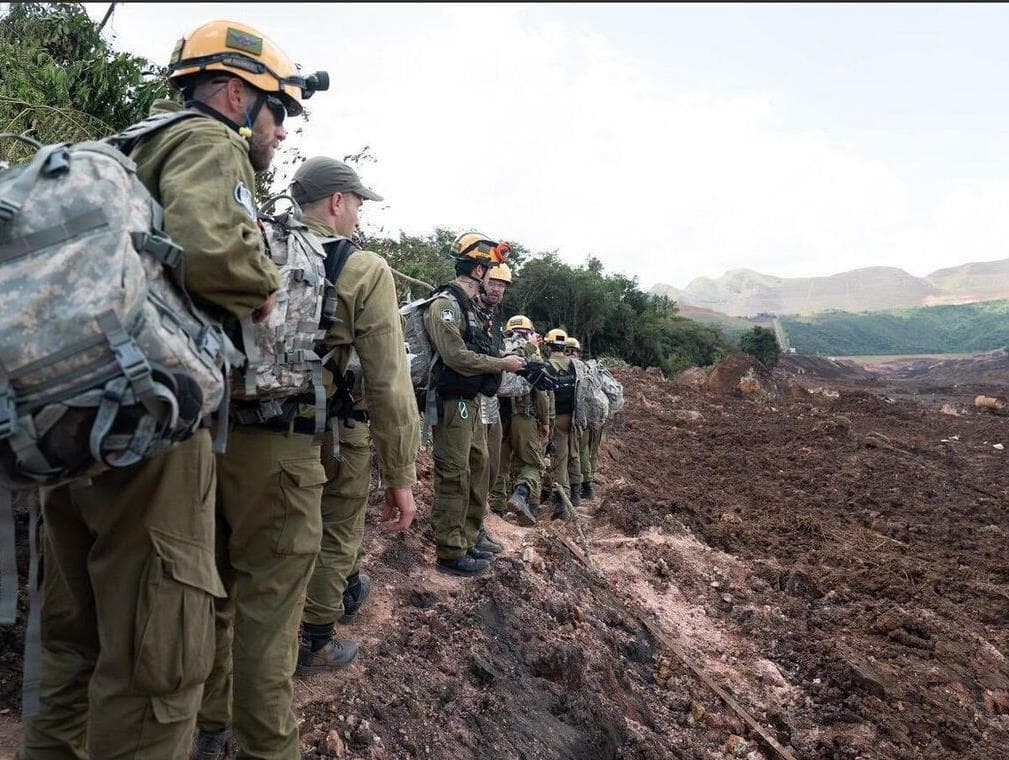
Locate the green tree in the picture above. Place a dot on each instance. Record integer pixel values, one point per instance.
(62, 81)
(761, 343)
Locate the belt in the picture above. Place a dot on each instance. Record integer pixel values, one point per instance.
(307, 426)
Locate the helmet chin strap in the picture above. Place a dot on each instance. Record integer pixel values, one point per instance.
(250, 114)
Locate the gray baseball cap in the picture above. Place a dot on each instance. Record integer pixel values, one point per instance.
(320, 177)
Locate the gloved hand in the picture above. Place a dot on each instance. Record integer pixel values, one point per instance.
(539, 375)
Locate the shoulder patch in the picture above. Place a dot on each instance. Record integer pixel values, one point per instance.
(447, 315)
(243, 196)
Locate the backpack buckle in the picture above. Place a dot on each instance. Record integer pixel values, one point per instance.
(8, 209)
(131, 360)
(8, 414)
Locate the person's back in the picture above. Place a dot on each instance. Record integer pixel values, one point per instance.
(127, 632)
(365, 319)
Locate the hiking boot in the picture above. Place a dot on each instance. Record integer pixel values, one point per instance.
(519, 504)
(358, 588)
(210, 745)
(334, 655)
(487, 544)
(479, 554)
(576, 495)
(561, 509)
(588, 491)
(465, 566)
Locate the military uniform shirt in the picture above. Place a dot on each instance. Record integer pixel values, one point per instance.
(199, 171)
(443, 321)
(368, 320)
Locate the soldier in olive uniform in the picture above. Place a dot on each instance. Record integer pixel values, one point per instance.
(488, 299)
(525, 425)
(468, 366)
(564, 436)
(368, 323)
(582, 479)
(127, 615)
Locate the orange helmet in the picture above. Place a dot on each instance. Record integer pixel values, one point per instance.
(241, 50)
(473, 245)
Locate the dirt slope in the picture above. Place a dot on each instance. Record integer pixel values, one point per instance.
(837, 563)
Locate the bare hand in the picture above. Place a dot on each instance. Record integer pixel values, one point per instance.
(399, 509)
(513, 363)
(263, 312)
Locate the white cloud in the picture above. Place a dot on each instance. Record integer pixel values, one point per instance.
(555, 138)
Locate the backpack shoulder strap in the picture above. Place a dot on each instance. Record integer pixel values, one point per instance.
(338, 250)
(127, 140)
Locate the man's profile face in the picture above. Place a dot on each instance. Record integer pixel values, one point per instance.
(494, 291)
(267, 134)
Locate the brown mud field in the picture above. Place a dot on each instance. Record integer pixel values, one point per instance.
(833, 558)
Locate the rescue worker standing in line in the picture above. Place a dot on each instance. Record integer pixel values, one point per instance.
(127, 613)
(581, 479)
(468, 366)
(487, 301)
(269, 486)
(525, 425)
(564, 448)
(367, 322)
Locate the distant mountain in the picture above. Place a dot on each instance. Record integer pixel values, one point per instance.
(743, 292)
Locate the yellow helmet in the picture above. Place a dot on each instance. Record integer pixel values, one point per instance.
(520, 322)
(241, 50)
(556, 338)
(501, 272)
(473, 245)
(570, 342)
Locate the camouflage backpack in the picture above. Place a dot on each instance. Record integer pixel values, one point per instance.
(612, 387)
(281, 353)
(104, 359)
(591, 405)
(513, 386)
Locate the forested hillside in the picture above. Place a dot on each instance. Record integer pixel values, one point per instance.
(926, 330)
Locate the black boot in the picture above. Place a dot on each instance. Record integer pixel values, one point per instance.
(487, 544)
(519, 504)
(561, 509)
(358, 588)
(479, 554)
(576, 495)
(321, 652)
(210, 745)
(588, 491)
(465, 567)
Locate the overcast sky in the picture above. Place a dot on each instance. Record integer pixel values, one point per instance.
(671, 141)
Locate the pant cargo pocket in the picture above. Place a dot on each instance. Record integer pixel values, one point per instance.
(174, 630)
(301, 482)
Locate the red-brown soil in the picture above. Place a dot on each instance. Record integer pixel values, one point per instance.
(835, 559)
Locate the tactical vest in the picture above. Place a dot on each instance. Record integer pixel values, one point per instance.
(564, 393)
(452, 384)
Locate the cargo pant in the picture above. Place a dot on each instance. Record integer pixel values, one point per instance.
(268, 532)
(495, 433)
(521, 458)
(590, 453)
(578, 459)
(460, 477)
(565, 459)
(344, 504)
(127, 610)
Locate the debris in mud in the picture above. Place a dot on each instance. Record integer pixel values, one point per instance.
(830, 566)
